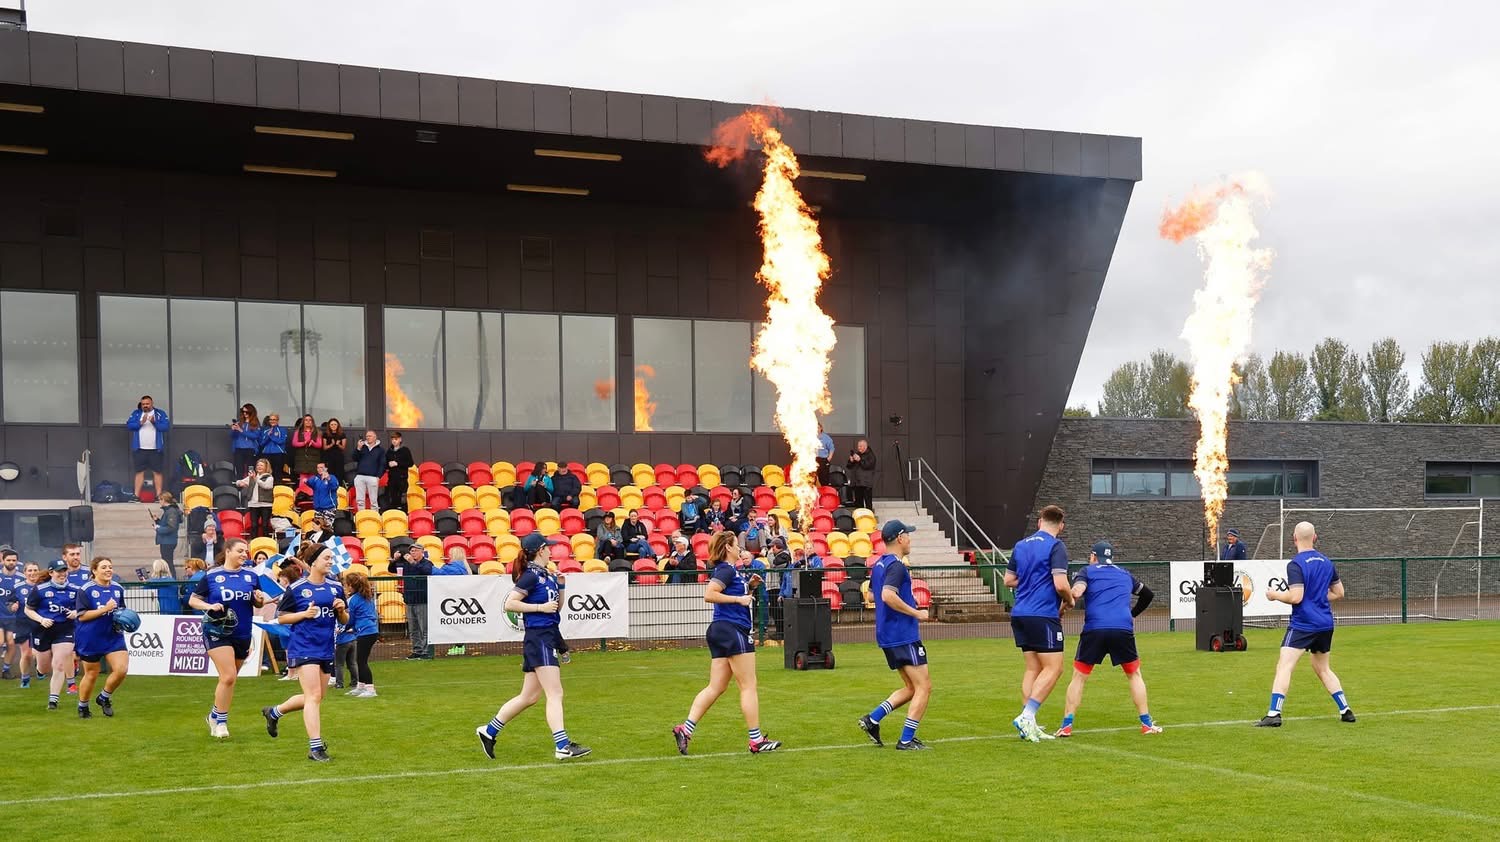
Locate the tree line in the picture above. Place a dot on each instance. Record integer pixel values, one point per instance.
(1460, 384)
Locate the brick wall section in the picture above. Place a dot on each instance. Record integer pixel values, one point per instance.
(1359, 465)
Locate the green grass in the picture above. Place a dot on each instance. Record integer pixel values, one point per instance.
(407, 764)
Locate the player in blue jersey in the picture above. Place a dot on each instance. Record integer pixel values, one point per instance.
(730, 649)
(78, 576)
(31, 574)
(537, 597)
(1038, 571)
(1312, 583)
(314, 608)
(10, 579)
(896, 619)
(98, 639)
(1108, 629)
(228, 596)
(50, 605)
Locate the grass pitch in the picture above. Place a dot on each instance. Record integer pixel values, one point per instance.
(1420, 763)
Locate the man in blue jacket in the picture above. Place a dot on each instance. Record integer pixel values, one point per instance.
(1234, 548)
(148, 427)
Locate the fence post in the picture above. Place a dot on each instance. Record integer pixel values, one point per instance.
(1403, 590)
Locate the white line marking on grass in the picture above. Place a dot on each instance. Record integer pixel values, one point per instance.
(621, 761)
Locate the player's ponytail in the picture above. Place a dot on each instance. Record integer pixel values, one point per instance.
(718, 546)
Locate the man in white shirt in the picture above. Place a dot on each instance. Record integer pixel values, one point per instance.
(148, 427)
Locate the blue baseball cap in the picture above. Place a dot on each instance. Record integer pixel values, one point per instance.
(1104, 551)
(894, 529)
(57, 564)
(535, 541)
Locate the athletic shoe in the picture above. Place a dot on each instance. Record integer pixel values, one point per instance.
(51, 705)
(486, 742)
(1153, 728)
(331, 682)
(1042, 734)
(320, 755)
(871, 729)
(1347, 715)
(356, 690)
(1269, 721)
(105, 705)
(220, 731)
(338, 685)
(572, 750)
(25, 682)
(1065, 731)
(209, 719)
(1027, 728)
(681, 736)
(72, 688)
(367, 693)
(271, 722)
(415, 657)
(85, 713)
(913, 744)
(763, 745)
(287, 676)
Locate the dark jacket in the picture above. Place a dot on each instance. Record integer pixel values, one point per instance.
(683, 561)
(335, 450)
(1233, 552)
(167, 525)
(404, 462)
(861, 470)
(414, 581)
(371, 460)
(566, 488)
(632, 531)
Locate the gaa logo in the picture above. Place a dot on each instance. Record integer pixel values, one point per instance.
(145, 640)
(1187, 587)
(1276, 583)
(587, 602)
(461, 608)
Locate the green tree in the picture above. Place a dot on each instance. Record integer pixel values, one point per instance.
(1338, 382)
(1387, 388)
(1125, 393)
(1291, 394)
(1479, 383)
(1252, 394)
(1437, 399)
(1079, 411)
(1168, 383)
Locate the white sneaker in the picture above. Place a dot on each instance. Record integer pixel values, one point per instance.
(367, 693)
(288, 677)
(213, 730)
(221, 731)
(330, 681)
(1027, 728)
(358, 689)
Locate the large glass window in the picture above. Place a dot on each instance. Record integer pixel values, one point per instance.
(1141, 483)
(588, 372)
(39, 357)
(414, 368)
(1259, 483)
(271, 342)
(133, 355)
(663, 375)
(334, 362)
(1175, 479)
(1463, 479)
(846, 387)
(475, 378)
(721, 376)
(533, 372)
(203, 362)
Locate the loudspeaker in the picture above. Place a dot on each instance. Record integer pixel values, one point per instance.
(51, 530)
(1218, 574)
(810, 583)
(81, 524)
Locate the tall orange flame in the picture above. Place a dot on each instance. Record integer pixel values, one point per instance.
(645, 408)
(1218, 331)
(400, 410)
(792, 350)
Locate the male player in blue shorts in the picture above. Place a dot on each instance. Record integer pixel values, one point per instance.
(1312, 583)
(1108, 629)
(896, 618)
(10, 579)
(1038, 571)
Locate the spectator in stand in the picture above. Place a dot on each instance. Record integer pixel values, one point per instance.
(538, 488)
(1234, 548)
(325, 492)
(754, 536)
(307, 448)
(273, 446)
(456, 565)
(781, 560)
(335, 446)
(861, 473)
(372, 463)
(205, 545)
(458, 555)
(195, 568)
(398, 462)
(168, 597)
(691, 514)
(259, 496)
(319, 530)
(565, 488)
(636, 535)
(365, 620)
(716, 519)
(682, 561)
(824, 454)
(754, 565)
(168, 523)
(740, 507)
(414, 568)
(244, 438)
(609, 540)
(148, 427)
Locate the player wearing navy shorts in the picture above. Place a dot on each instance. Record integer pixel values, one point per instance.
(1108, 629)
(314, 608)
(78, 576)
(10, 579)
(228, 596)
(1038, 571)
(31, 574)
(731, 652)
(896, 618)
(98, 639)
(50, 606)
(1312, 583)
(537, 597)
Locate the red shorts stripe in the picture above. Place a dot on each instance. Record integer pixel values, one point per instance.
(1082, 667)
(1132, 668)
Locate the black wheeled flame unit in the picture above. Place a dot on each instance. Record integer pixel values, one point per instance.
(1221, 610)
(809, 625)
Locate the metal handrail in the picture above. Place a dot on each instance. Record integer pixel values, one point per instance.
(917, 469)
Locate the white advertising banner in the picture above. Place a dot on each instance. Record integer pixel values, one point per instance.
(167, 644)
(471, 609)
(1252, 576)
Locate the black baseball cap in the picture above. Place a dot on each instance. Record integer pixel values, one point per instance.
(1104, 551)
(56, 565)
(535, 541)
(893, 529)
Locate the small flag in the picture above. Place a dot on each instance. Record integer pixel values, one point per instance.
(341, 557)
(266, 570)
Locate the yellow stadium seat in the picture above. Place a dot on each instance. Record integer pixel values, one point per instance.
(304, 519)
(675, 495)
(390, 608)
(464, 498)
(433, 545)
(630, 497)
(587, 499)
(796, 541)
(492, 568)
(416, 498)
(262, 544)
(594, 565)
(197, 495)
(393, 523)
(503, 474)
(597, 474)
(366, 523)
(786, 498)
(783, 519)
(496, 522)
(358, 568)
(774, 475)
(838, 545)
(489, 497)
(708, 476)
(284, 501)
(413, 476)
(860, 545)
(381, 569)
(864, 520)
(642, 474)
(583, 546)
(507, 547)
(551, 468)
(343, 497)
(377, 550)
(620, 514)
(864, 590)
(548, 522)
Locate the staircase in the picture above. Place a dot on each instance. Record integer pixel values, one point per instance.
(958, 593)
(124, 532)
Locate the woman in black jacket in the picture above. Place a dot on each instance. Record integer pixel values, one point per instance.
(335, 447)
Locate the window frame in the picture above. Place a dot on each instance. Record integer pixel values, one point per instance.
(77, 362)
(1113, 466)
(1470, 471)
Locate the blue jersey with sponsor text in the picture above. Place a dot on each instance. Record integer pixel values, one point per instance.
(80, 577)
(1034, 561)
(312, 639)
(1316, 574)
(735, 584)
(53, 601)
(20, 596)
(892, 628)
(539, 587)
(235, 590)
(8, 584)
(98, 635)
(1108, 597)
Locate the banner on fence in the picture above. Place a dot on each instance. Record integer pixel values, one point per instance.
(167, 644)
(1252, 576)
(471, 609)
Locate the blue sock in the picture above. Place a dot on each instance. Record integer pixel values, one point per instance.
(560, 739)
(1031, 708)
(1145, 719)
(493, 729)
(1338, 699)
(909, 730)
(1276, 700)
(1067, 720)
(314, 744)
(756, 736)
(689, 726)
(276, 713)
(105, 695)
(879, 713)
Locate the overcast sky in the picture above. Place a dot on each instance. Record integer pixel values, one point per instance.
(1375, 123)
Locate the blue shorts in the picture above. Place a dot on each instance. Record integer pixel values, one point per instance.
(116, 645)
(43, 638)
(1037, 634)
(7, 624)
(542, 648)
(241, 645)
(324, 664)
(1118, 644)
(1317, 642)
(908, 655)
(725, 640)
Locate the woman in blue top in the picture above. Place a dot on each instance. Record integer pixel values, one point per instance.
(364, 619)
(25, 626)
(244, 438)
(98, 639)
(537, 597)
(730, 648)
(314, 607)
(50, 605)
(273, 445)
(228, 596)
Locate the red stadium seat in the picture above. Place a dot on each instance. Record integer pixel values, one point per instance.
(644, 566)
(877, 543)
(232, 524)
(569, 566)
(819, 544)
(522, 523)
(455, 541)
(472, 522)
(482, 549)
(833, 571)
(577, 469)
(438, 498)
(831, 593)
(828, 497)
(666, 521)
(719, 492)
(419, 523)
(700, 544)
(652, 497)
(607, 497)
(560, 552)
(572, 522)
(665, 475)
(687, 476)
(480, 473)
(765, 498)
(822, 520)
(355, 549)
(523, 470)
(429, 474)
(922, 593)
(659, 544)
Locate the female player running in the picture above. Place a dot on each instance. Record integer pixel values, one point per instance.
(26, 627)
(50, 605)
(98, 639)
(365, 620)
(314, 608)
(729, 646)
(536, 596)
(228, 596)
